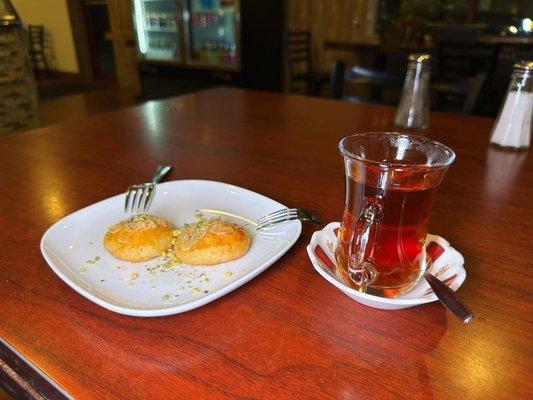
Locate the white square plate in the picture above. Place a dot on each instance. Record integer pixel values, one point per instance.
(73, 248)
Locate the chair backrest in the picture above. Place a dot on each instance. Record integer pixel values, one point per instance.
(458, 52)
(298, 52)
(36, 33)
(404, 33)
(340, 75)
(455, 60)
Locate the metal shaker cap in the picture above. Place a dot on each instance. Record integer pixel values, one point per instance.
(419, 58)
(524, 66)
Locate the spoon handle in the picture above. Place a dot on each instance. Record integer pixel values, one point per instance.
(449, 298)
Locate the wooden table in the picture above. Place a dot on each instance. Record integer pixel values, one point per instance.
(287, 334)
(380, 52)
(526, 41)
(375, 47)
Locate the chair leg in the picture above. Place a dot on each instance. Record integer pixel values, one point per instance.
(312, 88)
(43, 54)
(375, 94)
(338, 69)
(309, 88)
(46, 67)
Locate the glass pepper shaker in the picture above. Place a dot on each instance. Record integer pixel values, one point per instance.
(413, 110)
(513, 126)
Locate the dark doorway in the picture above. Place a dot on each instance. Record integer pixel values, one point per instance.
(101, 51)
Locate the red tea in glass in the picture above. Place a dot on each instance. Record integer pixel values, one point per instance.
(391, 180)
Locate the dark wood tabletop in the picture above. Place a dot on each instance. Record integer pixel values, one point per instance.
(287, 334)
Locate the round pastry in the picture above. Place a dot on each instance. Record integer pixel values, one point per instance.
(209, 242)
(139, 238)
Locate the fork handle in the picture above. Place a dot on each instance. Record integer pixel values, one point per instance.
(162, 170)
(449, 298)
(314, 221)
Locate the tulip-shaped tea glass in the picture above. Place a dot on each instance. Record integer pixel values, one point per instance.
(391, 179)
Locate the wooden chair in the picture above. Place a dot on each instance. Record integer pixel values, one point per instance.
(37, 47)
(458, 51)
(462, 95)
(341, 75)
(461, 68)
(302, 76)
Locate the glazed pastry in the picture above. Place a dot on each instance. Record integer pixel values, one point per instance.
(139, 238)
(209, 242)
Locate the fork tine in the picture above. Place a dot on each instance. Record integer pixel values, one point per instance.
(139, 197)
(136, 198)
(142, 197)
(273, 222)
(150, 189)
(275, 214)
(280, 218)
(127, 201)
(281, 211)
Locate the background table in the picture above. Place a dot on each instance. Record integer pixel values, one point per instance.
(287, 333)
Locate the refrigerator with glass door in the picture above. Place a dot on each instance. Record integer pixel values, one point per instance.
(158, 29)
(185, 45)
(211, 33)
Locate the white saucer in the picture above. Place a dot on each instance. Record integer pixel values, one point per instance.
(447, 266)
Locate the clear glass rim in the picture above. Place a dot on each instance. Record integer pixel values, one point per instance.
(397, 164)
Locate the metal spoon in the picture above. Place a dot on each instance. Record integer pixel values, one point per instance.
(449, 298)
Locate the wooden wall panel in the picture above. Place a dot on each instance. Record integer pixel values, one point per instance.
(122, 38)
(342, 20)
(81, 40)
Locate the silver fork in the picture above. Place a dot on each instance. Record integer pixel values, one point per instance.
(287, 214)
(139, 197)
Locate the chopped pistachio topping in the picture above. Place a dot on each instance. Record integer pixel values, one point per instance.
(141, 221)
(94, 260)
(193, 232)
